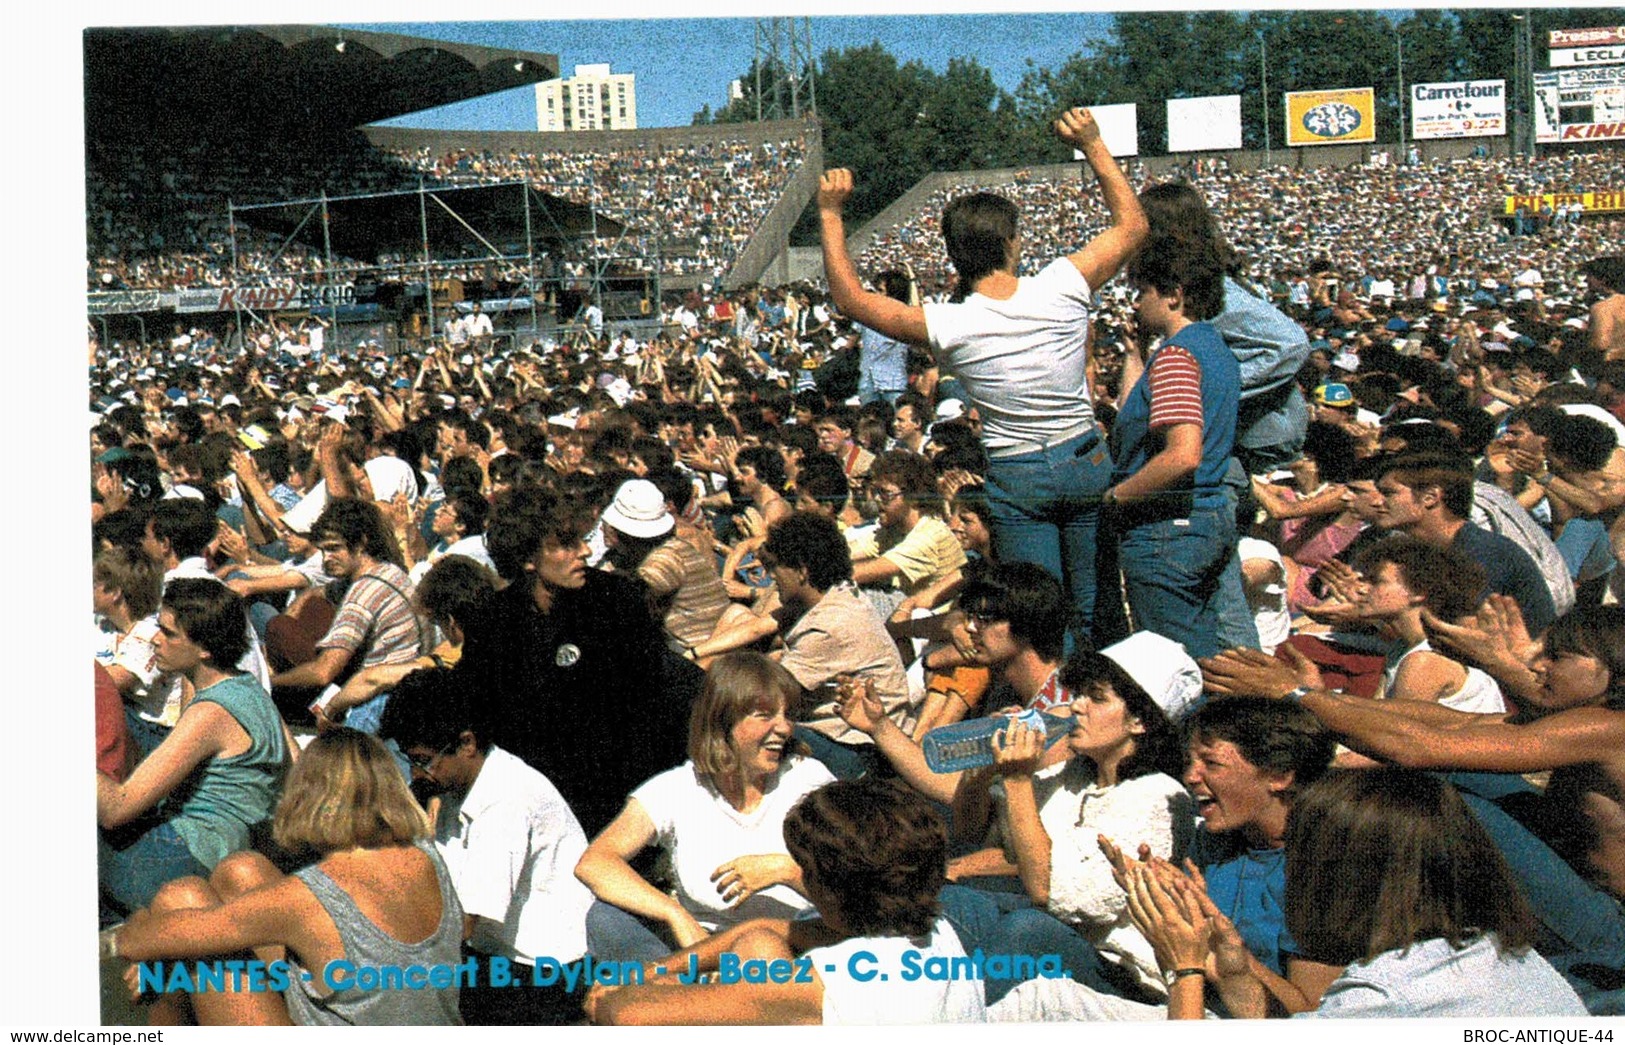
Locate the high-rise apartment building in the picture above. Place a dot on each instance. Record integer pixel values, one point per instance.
(594, 99)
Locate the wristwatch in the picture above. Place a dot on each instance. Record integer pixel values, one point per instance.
(1173, 975)
(1297, 695)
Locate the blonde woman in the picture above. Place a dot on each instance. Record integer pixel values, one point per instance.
(377, 896)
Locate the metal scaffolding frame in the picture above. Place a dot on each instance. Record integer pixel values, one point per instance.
(427, 267)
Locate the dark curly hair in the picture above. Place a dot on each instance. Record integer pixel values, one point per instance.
(1170, 262)
(522, 519)
(1272, 735)
(877, 852)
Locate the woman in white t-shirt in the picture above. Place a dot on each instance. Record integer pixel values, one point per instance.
(719, 817)
(1019, 349)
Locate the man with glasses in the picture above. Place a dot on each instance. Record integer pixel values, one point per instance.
(511, 844)
(913, 548)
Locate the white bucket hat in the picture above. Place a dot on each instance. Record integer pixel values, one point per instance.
(639, 510)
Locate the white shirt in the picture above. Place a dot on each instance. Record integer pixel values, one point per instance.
(895, 1000)
(511, 845)
(701, 832)
(388, 476)
(1021, 360)
(1154, 809)
(1270, 613)
(478, 324)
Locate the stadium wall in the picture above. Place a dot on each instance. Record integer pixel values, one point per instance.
(587, 141)
(766, 256)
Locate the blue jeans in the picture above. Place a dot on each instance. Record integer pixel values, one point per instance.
(1010, 923)
(618, 935)
(1586, 549)
(1171, 573)
(144, 734)
(846, 761)
(1236, 624)
(1045, 508)
(868, 391)
(133, 863)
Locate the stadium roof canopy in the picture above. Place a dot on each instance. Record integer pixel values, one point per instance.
(459, 221)
(301, 80)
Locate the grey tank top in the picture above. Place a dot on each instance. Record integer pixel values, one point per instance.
(370, 950)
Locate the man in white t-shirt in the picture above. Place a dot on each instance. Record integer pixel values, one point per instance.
(478, 325)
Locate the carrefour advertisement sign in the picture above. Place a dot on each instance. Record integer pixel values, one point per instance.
(1340, 117)
(1464, 109)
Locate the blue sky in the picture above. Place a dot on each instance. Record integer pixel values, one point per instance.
(683, 64)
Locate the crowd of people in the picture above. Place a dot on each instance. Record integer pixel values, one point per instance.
(1282, 629)
(157, 216)
(1443, 220)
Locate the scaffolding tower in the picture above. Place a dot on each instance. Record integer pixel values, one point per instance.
(784, 51)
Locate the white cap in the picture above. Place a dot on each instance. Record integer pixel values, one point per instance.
(1162, 668)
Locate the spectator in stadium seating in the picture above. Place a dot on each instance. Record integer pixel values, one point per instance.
(1430, 497)
(837, 634)
(377, 882)
(719, 817)
(375, 622)
(224, 759)
(179, 534)
(912, 549)
(510, 844)
(872, 857)
(1461, 911)
(883, 360)
(1605, 277)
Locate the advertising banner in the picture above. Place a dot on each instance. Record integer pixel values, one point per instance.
(1611, 54)
(1339, 117)
(1464, 109)
(227, 299)
(1119, 127)
(1602, 35)
(1196, 124)
(1611, 202)
(112, 302)
(1580, 105)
